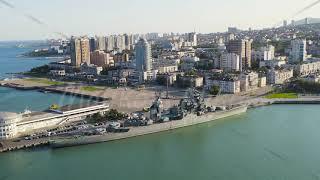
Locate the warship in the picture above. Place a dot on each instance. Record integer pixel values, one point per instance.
(191, 110)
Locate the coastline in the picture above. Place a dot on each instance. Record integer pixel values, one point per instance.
(61, 142)
(172, 125)
(251, 103)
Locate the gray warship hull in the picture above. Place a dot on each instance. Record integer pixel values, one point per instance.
(189, 120)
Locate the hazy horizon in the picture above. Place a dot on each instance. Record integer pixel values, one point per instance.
(38, 20)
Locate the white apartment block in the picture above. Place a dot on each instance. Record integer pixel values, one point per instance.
(262, 82)
(230, 62)
(264, 53)
(298, 51)
(272, 63)
(226, 86)
(307, 68)
(279, 76)
(167, 69)
(249, 81)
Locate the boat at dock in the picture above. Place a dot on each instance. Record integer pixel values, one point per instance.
(189, 120)
(191, 111)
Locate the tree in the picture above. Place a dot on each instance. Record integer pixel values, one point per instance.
(162, 79)
(214, 90)
(114, 115)
(97, 118)
(191, 73)
(42, 70)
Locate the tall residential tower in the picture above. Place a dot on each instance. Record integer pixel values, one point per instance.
(143, 56)
(80, 51)
(298, 51)
(243, 49)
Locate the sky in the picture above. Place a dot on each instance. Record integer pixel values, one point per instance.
(103, 17)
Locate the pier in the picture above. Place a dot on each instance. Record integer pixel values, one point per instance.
(6, 146)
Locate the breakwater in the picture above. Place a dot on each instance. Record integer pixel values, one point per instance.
(53, 90)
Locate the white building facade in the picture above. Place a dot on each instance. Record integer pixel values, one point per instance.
(298, 51)
(230, 62)
(226, 86)
(143, 56)
(264, 54)
(13, 125)
(279, 76)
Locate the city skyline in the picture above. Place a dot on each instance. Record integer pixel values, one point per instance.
(98, 17)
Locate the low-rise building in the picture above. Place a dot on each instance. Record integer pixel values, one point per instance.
(90, 69)
(262, 82)
(167, 79)
(279, 76)
(150, 75)
(162, 68)
(57, 73)
(191, 59)
(227, 83)
(272, 63)
(120, 73)
(190, 81)
(13, 125)
(62, 65)
(308, 67)
(249, 81)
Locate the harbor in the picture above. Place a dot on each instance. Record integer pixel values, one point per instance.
(145, 130)
(222, 145)
(190, 111)
(198, 114)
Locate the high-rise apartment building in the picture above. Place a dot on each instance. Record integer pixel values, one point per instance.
(193, 38)
(129, 41)
(298, 51)
(243, 49)
(101, 43)
(80, 51)
(93, 44)
(111, 41)
(120, 43)
(143, 56)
